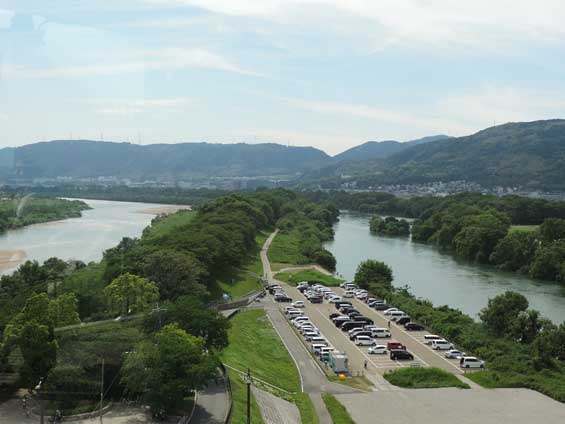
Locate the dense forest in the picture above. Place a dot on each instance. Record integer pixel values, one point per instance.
(58, 318)
(389, 226)
(18, 211)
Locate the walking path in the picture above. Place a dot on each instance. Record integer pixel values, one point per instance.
(275, 410)
(212, 404)
(314, 381)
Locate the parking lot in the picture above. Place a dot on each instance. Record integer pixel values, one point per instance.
(358, 356)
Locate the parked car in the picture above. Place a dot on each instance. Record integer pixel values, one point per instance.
(298, 304)
(393, 345)
(381, 332)
(441, 345)
(364, 319)
(380, 306)
(348, 294)
(335, 299)
(316, 299)
(394, 315)
(361, 333)
(364, 341)
(318, 339)
(412, 326)
(352, 324)
(403, 320)
(282, 298)
(391, 310)
(309, 334)
(401, 354)
(471, 362)
(335, 315)
(454, 354)
(429, 338)
(377, 350)
(317, 347)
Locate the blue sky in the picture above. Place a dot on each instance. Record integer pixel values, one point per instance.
(326, 73)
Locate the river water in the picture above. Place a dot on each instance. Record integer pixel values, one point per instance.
(83, 238)
(438, 276)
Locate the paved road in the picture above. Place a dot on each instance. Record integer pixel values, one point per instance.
(212, 404)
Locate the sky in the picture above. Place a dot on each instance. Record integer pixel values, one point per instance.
(330, 74)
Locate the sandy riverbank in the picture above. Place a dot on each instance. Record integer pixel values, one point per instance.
(166, 210)
(11, 258)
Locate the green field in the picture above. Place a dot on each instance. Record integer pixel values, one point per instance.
(294, 277)
(255, 344)
(420, 378)
(285, 249)
(337, 411)
(523, 228)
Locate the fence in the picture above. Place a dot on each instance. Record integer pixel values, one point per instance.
(228, 386)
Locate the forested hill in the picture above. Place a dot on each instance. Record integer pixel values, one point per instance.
(530, 155)
(93, 158)
(382, 149)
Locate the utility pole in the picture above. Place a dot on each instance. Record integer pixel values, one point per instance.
(101, 390)
(248, 396)
(158, 310)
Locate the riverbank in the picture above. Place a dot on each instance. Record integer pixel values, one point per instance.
(165, 209)
(11, 258)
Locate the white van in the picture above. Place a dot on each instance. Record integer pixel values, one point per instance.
(318, 340)
(295, 314)
(471, 362)
(349, 294)
(364, 341)
(394, 315)
(429, 338)
(441, 345)
(380, 332)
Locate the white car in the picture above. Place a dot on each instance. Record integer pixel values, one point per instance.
(349, 294)
(429, 338)
(298, 304)
(454, 354)
(471, 362)
(391, 310)
(381, 332)
(335, 299)
(377, 350)
(361, 296)
(364, 341)
(441, 345)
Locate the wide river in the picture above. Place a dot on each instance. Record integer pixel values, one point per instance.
(435, 275)
(83, 238)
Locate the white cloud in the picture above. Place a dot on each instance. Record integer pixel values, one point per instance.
(168, 59)
(3, 117)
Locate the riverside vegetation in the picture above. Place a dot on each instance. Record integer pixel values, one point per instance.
(58, 318)
(521, 348)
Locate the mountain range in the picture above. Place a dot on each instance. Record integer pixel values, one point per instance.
(523, 154)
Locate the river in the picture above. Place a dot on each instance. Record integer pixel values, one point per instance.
(438, 276)
(83, 238)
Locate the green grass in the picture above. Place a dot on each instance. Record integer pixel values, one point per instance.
(255, 344)
(337, 411)
(419, 378)
(358, 382)
(523, 228)
(285, 249)
(239, 398)
(166, 225)
(294, 277)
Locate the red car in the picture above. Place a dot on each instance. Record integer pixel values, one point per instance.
(395, 346)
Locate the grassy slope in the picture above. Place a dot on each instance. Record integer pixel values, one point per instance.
(337, 411)
(255, 344)
(523, 228)
(170, 223)
(285, 249)
(293, 277)
(419, 378)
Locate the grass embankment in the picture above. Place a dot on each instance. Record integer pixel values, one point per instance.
(245, 280)
(164, 225)
(294, 277)
(423, 378)
(337, 411)
(286, 249)
(255, 344)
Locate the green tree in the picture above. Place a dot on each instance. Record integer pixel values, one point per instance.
(371, 272)
(167, 368)
(515, 251)
(528, 325)
(132, 293)
(549, 261)
(552, 229)
(176, 274)
(64, 310)
(501, 314)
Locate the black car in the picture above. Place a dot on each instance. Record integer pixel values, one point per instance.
(338, 305)
(348, 325)
(412, 326)
(335, 315)
(347, 309)
(367, 321)
(381, 307)
(353, 314)
(403, 320)
(283, 299)
(400, 354)
(316, 299)
(339, 322)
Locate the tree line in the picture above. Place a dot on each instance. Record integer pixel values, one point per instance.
(165, 342)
